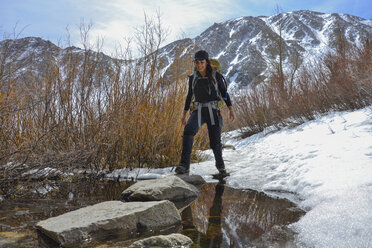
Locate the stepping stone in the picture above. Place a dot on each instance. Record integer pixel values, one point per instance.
(109, 218)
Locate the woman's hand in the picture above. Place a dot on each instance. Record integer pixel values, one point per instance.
(184, 116)
(231, 114)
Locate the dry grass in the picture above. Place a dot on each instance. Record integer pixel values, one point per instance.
(84, 113)
(339, 81)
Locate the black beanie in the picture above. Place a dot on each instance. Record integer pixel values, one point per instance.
(201, 55)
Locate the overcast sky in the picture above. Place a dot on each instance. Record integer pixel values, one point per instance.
(116, 19)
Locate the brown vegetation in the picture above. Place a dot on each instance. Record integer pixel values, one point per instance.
(85, 113)
(341, 80)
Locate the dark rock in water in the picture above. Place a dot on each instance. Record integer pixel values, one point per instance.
(108, 219)
(228, 147)
(172, 240)
(170, 188)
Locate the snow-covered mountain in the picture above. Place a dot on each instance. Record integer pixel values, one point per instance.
(243, 45)
(31, 57)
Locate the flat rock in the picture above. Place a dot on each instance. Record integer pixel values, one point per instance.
(170, 188)
(109, 218)
(172, 240)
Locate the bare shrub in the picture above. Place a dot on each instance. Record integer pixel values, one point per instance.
(87, 113)
(341, 80)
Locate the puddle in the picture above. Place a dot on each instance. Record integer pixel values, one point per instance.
(227, 217)
(220, 217)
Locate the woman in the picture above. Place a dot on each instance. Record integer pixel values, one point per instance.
(205, 87)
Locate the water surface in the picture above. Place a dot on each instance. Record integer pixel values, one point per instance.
(220, 217)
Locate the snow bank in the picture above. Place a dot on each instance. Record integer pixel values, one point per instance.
(324, 165)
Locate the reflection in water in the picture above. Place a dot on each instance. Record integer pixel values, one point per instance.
(220, 217)
(214, 220)
(206, 232)
(227, 217)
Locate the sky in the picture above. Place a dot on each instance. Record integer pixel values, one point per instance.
(114, 21)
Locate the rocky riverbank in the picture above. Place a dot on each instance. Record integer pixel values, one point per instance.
(219, 215)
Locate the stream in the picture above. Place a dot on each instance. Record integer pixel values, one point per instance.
(220, 217)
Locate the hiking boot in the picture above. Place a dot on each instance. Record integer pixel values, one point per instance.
(182, 170)
(222, 173)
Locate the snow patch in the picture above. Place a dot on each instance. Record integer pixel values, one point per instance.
(232, 82)
(138, 174)
(232, 31)
(324, 165)
(43, 190)
(367, 22)
(223, 52)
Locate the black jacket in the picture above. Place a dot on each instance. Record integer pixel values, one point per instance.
(221, 88)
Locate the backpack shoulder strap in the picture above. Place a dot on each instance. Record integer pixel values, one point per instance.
(224, 81)
(214, 79)
(194, 77)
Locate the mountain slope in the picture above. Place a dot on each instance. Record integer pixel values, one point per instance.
(245, 46)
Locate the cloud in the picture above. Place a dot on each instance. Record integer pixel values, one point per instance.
(114, 20)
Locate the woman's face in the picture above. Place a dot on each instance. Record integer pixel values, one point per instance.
(201, 65)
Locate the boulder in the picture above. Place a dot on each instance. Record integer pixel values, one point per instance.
(168, 188)
(172, 240)
(109, 218)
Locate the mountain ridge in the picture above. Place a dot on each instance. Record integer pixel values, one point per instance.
(244, 45)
